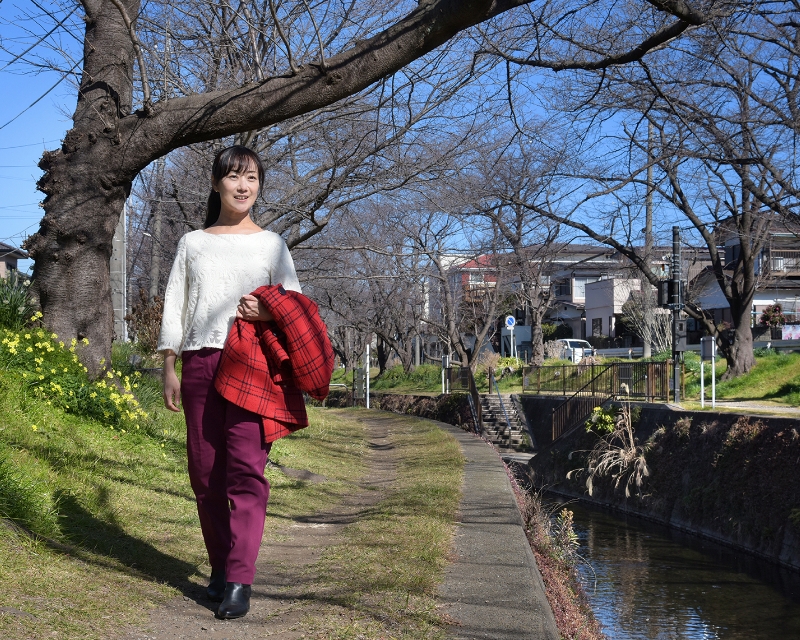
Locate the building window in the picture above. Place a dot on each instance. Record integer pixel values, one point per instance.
(597, 327)
(563, 288)
(580, 287)
(475, 277)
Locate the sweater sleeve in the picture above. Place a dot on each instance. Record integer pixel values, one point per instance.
(283, 270)
(176, 299)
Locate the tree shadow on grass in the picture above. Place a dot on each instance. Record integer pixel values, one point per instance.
(105, 543)
(791, 388)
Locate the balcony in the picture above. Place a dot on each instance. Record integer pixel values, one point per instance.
(782, 262)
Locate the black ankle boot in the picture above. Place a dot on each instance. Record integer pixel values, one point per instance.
(236, 601)
(216, 586)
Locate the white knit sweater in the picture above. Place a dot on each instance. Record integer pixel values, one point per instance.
(210, 273)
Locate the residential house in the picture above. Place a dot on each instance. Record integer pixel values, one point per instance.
(777, 274)
(8, 258)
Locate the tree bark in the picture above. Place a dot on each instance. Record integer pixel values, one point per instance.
(86, 183)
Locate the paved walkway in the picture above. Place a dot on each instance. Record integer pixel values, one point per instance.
(493, 589)
(750, 407)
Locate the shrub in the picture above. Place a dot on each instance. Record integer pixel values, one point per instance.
(15, 304)
(52, 371)
(555, 331)
(772, 316)
(616, 456)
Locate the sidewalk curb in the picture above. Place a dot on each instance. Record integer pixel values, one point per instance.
(493, 588)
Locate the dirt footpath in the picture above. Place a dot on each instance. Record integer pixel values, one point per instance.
(280, 600)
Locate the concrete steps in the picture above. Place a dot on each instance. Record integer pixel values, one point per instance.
(496, 428)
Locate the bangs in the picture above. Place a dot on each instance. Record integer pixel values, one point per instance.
(238, 163)
(238, 159)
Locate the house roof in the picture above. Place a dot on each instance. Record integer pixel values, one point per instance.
(7, 251)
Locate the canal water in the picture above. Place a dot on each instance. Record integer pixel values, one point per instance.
(646, 582)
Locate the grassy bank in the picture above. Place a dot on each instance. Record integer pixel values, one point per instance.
(775, 378)
(99, 523)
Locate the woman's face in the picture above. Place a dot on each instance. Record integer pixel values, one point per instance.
(238, 190)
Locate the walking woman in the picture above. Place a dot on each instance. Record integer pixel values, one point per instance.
(209, 287)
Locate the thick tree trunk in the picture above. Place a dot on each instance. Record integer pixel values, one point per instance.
(72, 253)
(537, 343)
(86, 184)
(739, 353)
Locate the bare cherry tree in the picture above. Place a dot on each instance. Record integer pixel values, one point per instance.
(269, 62)
(724, 161)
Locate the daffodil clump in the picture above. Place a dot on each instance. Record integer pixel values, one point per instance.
(53, 372)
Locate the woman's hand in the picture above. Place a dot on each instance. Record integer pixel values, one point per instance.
(172, 386)
(251, 309)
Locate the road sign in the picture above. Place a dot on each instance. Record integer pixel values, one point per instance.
(510, 321)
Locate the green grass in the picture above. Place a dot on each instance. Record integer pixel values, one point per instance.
(775, 378)
(388, 563)
(97, 525)
(426, 378)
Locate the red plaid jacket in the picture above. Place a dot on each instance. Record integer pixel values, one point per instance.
(266, 366)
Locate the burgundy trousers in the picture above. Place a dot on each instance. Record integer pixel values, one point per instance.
(227, 456)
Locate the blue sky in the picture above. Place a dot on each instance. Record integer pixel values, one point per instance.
(22, 142)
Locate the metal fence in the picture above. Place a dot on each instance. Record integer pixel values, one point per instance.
(647, 381)
(643, 381)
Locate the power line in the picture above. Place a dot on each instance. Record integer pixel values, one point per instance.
(42, 39)
(66, 73)
(31, 144)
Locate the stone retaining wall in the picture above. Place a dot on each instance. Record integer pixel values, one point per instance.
(727, 477)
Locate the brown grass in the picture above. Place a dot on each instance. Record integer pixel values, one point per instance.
(554, 547)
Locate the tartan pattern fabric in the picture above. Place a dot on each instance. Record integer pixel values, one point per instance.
(266, 366)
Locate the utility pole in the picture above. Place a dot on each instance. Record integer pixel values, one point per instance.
(676, 303)
(155, 236)
(647, 295)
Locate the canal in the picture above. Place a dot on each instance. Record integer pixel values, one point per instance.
(647, 582)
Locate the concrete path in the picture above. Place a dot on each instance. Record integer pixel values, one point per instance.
(753, 407)
(493, 588)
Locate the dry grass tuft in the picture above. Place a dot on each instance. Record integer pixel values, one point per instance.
(555, 546)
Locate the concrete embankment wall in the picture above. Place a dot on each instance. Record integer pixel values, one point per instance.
(727, 477)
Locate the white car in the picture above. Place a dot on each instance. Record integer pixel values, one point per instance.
(576, 350)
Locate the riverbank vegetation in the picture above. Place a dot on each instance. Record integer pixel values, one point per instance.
(555, 546)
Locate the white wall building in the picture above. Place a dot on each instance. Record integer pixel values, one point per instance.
(603, 302)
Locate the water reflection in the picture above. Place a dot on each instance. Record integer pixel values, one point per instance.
(648, 583)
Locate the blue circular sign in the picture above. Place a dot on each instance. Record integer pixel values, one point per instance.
(510, 321)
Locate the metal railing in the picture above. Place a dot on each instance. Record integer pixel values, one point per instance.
(781, 261)
(560, 380)
(647, 381)
(493, 385)
(460, 378)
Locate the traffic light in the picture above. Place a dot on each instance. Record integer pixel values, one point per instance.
(666, 291)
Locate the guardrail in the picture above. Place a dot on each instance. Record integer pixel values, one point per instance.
(648, 381)
(460, 378)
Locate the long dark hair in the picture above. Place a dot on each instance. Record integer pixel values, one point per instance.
(236, 158)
